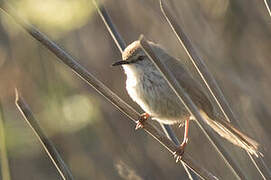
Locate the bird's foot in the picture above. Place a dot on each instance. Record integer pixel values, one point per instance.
(143, 118)
(180, 151)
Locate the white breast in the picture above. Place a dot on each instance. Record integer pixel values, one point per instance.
(154, 97)
(135, 88)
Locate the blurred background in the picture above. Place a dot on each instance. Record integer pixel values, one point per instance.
(93, 137)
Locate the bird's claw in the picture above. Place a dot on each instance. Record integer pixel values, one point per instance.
(143, 118)
(178, 154)
(139, 125)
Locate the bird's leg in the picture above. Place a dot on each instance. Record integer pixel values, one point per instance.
(143, 118)
(180, 150)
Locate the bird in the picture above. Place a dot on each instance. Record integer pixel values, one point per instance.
(148, 88)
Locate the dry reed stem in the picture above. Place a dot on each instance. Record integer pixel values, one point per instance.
(268, 4)
(119, 41)
(48, 146)
(5, 169)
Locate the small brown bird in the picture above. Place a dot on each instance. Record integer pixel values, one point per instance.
(148, 88)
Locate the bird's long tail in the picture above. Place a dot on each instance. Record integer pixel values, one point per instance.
(227, 131)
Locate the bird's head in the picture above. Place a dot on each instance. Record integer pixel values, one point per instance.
(133, 55)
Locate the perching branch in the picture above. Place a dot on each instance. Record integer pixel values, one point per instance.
(49, 147)
(103, 90)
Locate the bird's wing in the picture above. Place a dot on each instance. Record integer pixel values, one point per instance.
(190, 85)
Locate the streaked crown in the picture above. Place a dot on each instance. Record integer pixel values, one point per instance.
(131, 50)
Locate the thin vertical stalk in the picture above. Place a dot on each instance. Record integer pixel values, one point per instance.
(5, 169)
(110, 26)
(268, 4)
(198, 63)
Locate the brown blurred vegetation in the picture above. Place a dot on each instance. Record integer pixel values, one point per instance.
(95, 139)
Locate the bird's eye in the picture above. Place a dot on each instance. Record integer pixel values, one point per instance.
(140, 58)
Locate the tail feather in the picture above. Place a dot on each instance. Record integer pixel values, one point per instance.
(227, 131)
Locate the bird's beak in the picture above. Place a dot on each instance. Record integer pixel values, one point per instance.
(120, 63)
